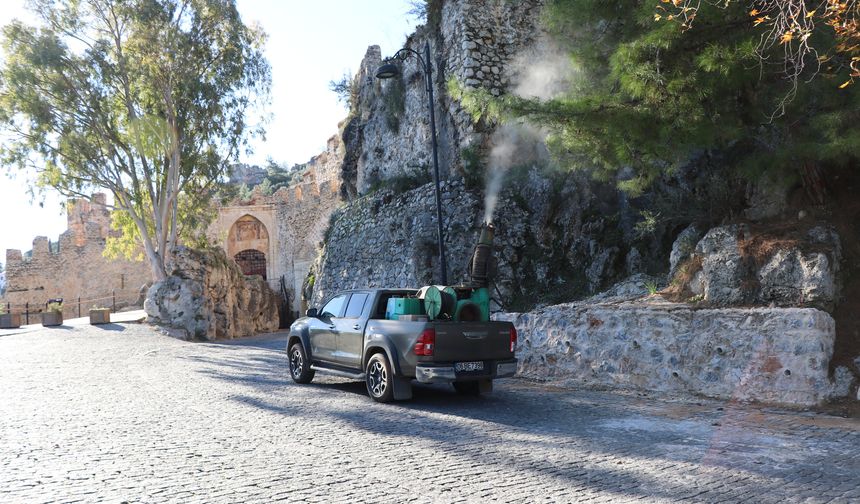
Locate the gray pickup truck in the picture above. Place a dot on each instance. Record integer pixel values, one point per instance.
(352, 336)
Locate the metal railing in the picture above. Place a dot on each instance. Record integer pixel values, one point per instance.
(70, 306)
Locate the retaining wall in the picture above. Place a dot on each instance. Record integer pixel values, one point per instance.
(774, 355)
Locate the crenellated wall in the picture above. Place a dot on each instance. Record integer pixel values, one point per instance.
(74, 266)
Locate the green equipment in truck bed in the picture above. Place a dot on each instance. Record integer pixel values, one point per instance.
(402, 306)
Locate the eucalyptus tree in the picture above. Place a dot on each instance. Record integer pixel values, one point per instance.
(151, 100)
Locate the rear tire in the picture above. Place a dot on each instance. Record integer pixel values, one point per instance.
(379, 379)
(300, 367)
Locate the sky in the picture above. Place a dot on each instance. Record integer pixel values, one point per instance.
(310, 44)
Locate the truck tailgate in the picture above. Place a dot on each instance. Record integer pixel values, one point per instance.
(472, 341)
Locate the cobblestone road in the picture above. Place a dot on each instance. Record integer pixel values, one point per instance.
(126, 414)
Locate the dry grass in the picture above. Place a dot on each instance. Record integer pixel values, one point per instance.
(678, 290)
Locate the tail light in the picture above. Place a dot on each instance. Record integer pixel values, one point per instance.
(426, 343)
(513, 339)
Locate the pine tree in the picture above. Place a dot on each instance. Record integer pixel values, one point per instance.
(650, 95)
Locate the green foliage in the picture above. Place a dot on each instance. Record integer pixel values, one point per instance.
(426, 11)
(55, 307)
(394, 100)
(412, 177)
(346, 90)
(480, 104)
(266, 187)
(126, 243)
(649, 96)
(148, 100)
(278, 176)
(244, 193)
(652, 287)
(193, 218)
(648, 225)
(474, 166)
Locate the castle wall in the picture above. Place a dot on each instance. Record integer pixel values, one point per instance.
(76, 266)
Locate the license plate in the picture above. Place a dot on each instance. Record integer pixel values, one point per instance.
(469, 366)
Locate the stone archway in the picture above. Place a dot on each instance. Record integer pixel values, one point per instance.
(248, 245)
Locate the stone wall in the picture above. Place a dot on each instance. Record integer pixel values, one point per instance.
(389, 240)
(74, 266)
(773, 355)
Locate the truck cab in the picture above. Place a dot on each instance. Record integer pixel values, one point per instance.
(352, 335)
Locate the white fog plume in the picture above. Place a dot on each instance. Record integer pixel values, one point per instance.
(544, 71)
(514, 145)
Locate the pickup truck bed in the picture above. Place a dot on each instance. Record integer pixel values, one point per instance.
(350, 337)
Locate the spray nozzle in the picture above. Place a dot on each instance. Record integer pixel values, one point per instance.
(488, 232)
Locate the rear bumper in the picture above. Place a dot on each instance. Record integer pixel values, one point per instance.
(444, 373)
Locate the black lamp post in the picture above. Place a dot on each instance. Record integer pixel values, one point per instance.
(389, 70)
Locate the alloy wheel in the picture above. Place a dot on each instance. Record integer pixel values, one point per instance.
(377, 378)
(296, 363)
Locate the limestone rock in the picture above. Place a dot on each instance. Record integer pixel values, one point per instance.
(805, 275)
(780, 271)
(633, 261)
(843, 379)
(794, 278)
(601, 268)
(633, 287)
(723, 267)
(683, 247)
(208, 298)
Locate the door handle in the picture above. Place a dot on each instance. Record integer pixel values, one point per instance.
(356, 327)
(332, 327)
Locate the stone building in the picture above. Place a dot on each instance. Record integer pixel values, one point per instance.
(74, 267)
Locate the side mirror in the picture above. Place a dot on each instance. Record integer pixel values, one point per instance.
(312, 312)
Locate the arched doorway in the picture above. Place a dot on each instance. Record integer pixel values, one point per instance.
(248, 244)
(251, 262)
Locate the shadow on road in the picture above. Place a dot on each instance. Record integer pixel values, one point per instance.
(110, 327)
(674, 436)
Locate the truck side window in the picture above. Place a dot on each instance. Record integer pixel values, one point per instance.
(334, 307)
(356, 305)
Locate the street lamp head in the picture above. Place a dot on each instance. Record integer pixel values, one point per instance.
(387, 71)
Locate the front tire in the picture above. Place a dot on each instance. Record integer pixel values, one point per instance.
(300, 368)
(379, 379)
